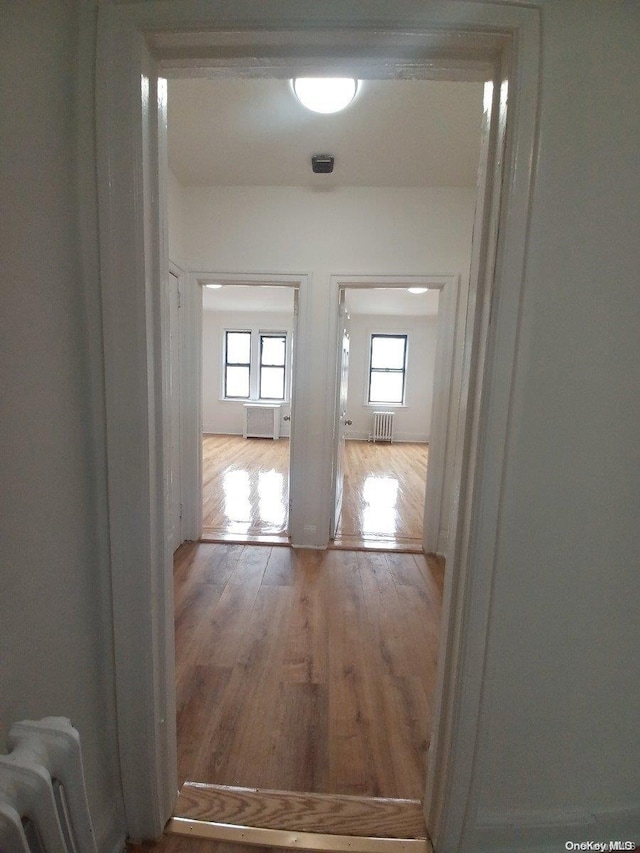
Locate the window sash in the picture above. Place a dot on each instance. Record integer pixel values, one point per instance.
(272, 370)
(380, 371)
(236, 364)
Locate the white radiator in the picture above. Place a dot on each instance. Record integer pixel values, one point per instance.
(383, 426)
(43, 799)
(261, 421)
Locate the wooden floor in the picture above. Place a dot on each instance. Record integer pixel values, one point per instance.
(333, 823)
(384, 492)
(326, 814)
(246, 491)
(245, 486)
(304, 670)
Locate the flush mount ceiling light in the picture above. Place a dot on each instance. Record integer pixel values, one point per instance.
(417, 289)
(214, 286)
(325, 94)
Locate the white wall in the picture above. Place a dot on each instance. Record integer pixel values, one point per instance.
(558, 735)
(55, 615)
(227, 416)
(175, 215)
(347, 230)
(412, 422)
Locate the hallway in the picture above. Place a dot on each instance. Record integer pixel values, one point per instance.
(305, 670)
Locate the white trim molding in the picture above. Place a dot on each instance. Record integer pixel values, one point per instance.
(137, 45)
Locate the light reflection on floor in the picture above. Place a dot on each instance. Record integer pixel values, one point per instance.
(245, 489)
(383, 495)
(237, 503)
(379, 512)
(252, 503)
(271, 489)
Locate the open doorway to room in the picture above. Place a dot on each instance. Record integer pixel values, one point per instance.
(384, 416)
(280, 627)
(248, 334)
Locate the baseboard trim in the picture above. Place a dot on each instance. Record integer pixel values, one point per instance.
(398, 438)
(209, 430)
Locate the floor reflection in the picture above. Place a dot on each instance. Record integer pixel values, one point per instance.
(237, 506)
(253, 501)
(246, 488)
(245, 485)
(379, 508)
(271, 498)
(384, 492)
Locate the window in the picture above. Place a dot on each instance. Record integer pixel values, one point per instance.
(273, 348)
(255, 365)
(237, 365)
(387, 368)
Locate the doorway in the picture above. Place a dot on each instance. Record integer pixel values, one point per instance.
(394, 413)
(248, 345)
(499, 43)
(383, 425)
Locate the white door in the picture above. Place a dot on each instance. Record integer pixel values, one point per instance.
(174, 536)
(341, 409)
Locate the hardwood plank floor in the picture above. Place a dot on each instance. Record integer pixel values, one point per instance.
(292, 811)
(308, 671)
(305, 670)
(384, 492)
(246, 491)
(245, 485)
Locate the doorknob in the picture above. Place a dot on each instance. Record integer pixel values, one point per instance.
(286, 417)
(348, 423)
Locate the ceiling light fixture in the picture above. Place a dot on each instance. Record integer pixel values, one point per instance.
(325, 94)
(214, 286)
(417, 289)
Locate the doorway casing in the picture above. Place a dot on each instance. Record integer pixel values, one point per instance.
(137, 43)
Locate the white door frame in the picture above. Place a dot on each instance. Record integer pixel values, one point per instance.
(299, 384)
(136, 43)
(186, 530)
(337, 465)
(451, 317)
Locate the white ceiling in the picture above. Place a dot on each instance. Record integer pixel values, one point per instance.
(382, 301)
(253, 132)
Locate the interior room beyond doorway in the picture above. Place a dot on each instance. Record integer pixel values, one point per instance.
(383, 497)
(245, 488)
(387, 366)
(248, 333)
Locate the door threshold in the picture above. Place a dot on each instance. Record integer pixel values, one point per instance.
(285, 819)
(361, 543)
(211, 535)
